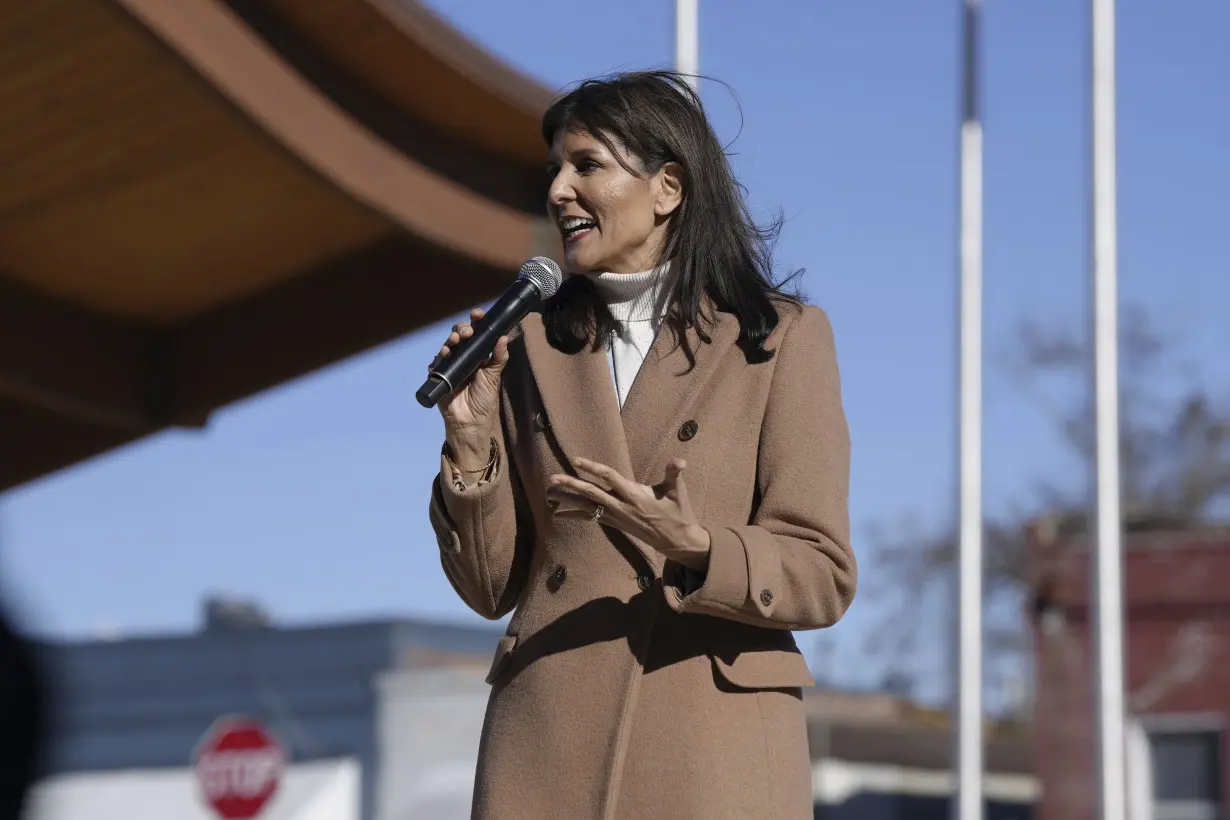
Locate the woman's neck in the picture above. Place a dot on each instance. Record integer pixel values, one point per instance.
(634, 297)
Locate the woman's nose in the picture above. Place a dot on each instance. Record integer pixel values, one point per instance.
(560, 191)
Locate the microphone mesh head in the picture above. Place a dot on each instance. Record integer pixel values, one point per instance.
(543, 274)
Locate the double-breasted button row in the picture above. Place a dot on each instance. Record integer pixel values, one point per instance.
(560, 574)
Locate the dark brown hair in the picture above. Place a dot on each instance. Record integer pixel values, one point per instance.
(715, 246)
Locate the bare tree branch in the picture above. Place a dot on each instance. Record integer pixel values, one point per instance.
(1174, 458)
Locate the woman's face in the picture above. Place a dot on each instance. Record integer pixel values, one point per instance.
(610, 219)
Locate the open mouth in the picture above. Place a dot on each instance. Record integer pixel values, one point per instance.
(574, 227)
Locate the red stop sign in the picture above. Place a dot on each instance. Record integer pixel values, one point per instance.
(239, 765)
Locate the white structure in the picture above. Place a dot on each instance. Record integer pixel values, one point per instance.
(1140, 773)
(968, 706)
(319, 790)
(428, 729)
(1108, 558)
(835, 782)
(687, 38)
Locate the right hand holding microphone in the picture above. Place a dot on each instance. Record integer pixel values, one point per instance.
(464, 380)
(472, 412)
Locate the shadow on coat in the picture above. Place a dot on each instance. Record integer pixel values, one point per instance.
(676, 638)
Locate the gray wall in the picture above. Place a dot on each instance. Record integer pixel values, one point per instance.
(146, 702)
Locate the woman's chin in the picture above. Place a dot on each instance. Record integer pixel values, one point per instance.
(578, 263)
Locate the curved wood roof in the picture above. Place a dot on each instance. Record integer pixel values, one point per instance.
(201, 199)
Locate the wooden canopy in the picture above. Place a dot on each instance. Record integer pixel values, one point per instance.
(200, 199)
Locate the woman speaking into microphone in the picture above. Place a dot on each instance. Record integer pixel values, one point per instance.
(651, 474)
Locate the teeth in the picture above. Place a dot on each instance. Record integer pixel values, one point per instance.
(572, 223)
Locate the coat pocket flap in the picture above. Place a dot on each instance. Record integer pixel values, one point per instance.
(764, 669)
(502, 652)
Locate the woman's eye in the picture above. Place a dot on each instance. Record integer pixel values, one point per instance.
(585, 166)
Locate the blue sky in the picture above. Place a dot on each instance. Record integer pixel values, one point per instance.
(312, 498)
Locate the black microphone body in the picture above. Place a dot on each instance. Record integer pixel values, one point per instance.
(539, 279)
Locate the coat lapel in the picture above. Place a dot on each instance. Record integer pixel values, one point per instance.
(579, 398)
(583, 411)
(668, 391)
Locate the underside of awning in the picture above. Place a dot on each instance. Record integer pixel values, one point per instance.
(203, 199)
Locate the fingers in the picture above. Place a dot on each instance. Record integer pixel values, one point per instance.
(674, 485)
(577, 499)
(499, 356)
(462, 330)
(578, 486)
(577, 514)
(560, 486)
(674, 475)
(610, 476)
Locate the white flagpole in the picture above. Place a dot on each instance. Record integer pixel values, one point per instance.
(1108, 557)
(687, 39)
(968, 707)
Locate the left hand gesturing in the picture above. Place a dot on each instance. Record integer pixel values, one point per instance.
(661, 515)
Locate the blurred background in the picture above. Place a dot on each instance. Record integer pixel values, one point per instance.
(234, 232)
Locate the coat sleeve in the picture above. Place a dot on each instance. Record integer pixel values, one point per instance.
(792, 566)
(484, 534)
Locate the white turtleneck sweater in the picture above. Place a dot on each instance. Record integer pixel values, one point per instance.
(638, 301)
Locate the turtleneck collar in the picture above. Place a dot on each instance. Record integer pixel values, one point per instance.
(634, 297)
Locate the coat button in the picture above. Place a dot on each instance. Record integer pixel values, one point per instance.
(766, 597)
(557, 578)
(687, 431)
(540, 421)
(644, 581)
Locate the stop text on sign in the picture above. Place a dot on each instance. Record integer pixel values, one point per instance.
(243, 773)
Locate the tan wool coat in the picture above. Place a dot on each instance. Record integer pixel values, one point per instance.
(626, 688)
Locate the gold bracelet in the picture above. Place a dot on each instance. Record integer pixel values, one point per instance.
(483, 469)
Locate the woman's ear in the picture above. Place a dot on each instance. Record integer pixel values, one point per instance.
(668, 189)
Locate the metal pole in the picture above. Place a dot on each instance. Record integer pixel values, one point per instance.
(968, 740)
(687, 39)
(1108, 558)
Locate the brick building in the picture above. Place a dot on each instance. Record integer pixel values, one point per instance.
(1177, 636)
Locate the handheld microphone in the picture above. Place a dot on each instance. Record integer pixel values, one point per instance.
(540, 277)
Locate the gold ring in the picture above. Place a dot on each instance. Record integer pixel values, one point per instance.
(597, 513)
